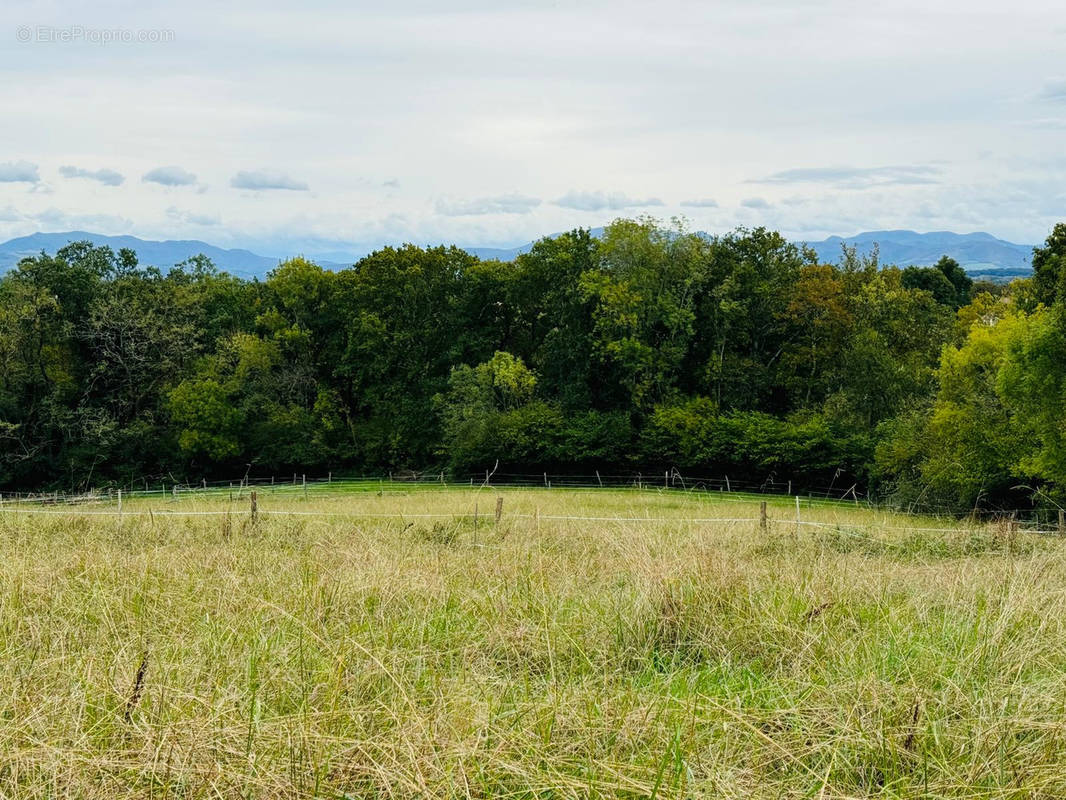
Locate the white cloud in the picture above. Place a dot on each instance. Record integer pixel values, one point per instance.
(169, 176)
(19, 172)
(265, 179)
(193, 218)
(604, 201)
(857, 177)
(703, 203)
(755, 202)
(502, 204)
(57, 219)
(108, 177)
(1054, 90)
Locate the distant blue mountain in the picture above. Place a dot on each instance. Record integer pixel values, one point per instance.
(980, 254)
(157, 254)
(975, 252)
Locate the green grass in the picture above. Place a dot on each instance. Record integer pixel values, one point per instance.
(347, 647)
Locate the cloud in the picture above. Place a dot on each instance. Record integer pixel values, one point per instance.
(599, 201)
(704, 203)
(513, 203)
(169, 176)
(392, 183)
(98, 223)
(1054, 90)
(262, 179)
(856, 177)
(19, 172)
(192, 218)
(755, 202)
(108, 177)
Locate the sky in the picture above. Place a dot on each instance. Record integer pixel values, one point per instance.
(331, 128)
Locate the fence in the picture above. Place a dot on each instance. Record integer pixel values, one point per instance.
(110, 501)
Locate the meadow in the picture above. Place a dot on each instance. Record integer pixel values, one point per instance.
(378, 640)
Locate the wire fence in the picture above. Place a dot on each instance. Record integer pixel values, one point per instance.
(171, 496)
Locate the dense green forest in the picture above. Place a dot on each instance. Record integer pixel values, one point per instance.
(645, 348)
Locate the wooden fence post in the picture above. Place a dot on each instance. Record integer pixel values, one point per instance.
(255, 507)
(120, 503)
(1062, 521)
(762, 516)
(797, 515)
(499, 509)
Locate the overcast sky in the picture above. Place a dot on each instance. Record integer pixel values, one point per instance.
(337, 126)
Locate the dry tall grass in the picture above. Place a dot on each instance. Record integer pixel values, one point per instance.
(355, 656)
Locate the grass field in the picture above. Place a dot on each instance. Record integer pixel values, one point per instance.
(375, 641)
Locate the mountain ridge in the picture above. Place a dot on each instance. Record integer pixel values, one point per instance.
(979, 253)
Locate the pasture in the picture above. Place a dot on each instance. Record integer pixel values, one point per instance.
(377, 640)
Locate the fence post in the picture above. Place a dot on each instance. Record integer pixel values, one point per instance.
(120, 503)
(762, 516)
(255, 507)
(1062, 521)
(797, 515)
(666, 479)
(545, 480)
(305, 487)
(499, 509)
(728, 488)
(599, 479)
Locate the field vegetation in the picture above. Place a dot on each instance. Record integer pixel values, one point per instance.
(379, 641)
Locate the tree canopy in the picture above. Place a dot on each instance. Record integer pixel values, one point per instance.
(648, 346)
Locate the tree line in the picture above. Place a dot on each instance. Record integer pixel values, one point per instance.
(647, 347)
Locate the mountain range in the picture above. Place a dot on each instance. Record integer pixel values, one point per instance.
(980, 254)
